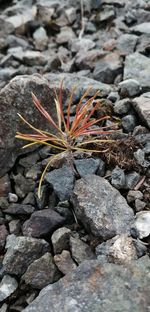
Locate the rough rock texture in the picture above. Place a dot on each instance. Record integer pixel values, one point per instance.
(100, 207)
(7, 286)
(21, 251)
(41, 272)
(14, 98)
(93, 286)
(42, 222)
(142, 106)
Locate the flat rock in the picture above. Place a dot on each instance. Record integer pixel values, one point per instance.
(41, 272)
(93, 286)
(101, 208)
(142, 106)
(86, 166)
(21, 252)
(19, 209)
(42, 222)
(82, 83)
(137, 66)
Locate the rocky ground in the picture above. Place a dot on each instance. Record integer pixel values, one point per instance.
(85, 245)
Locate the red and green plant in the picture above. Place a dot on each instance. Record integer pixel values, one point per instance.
(69, 136)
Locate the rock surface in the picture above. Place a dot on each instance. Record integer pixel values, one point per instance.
(95, 289)
(100, 207)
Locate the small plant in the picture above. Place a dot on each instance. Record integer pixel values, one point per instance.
(70, 136)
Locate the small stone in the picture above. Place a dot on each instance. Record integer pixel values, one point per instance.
(3, 236)
(128, 123)
(141, 226)
(119, 249)
(80, 251)
(34, 58)
(129, 87)
(33, 173)
(107, 14)
(29, 199)
(40, 38)
(21, 252)
(41, 272)
(4, 308)
(22, 185)
(7, 287)
(64, 262)
(139, 205)
(143, 28)
(126, 43)
(14, 227)
(118, 178)
(71, 14)
(66, 34)
(108, 68)
(4, 203)
(122, 106)
(60, 240)
(62, 181)
(86, 166)
(133, 195)
(5, 186)
(45, 12)
(19, 209)
(30, 160)
(142, 106)
(83, 44)
(140, 157)
(132, 179)
(42, 222)
(138, 66)
(13, 198)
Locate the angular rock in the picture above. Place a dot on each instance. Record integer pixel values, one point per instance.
(131, 180)
(108, 68)
(13, 198)
(141, 226)
(66, 35)
(64, 262)
(19, 209)
(34, 58)
(92, 287)
(71, 80)
(142, 106)
(86, 166)
(60, 240)
(139, 205)
(3, 236)
(21, 252)
(80, 251)
(118, 178)
(5, 186)
(143, 28)
(16, 98)
(101, 208)
(22, 185)
(128, 123)
(133, 195)
(15, 227)
(137, 66)
(7, 286)
(19, 21)
(62, 180)
(140, 157)
(40, 38)
(126, 44)
(129, 87)
(83, 44)
(122, 106)
(119, 249)
(41, 272)
(42, 222)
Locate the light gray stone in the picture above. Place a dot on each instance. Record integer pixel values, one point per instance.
(129, 87)
(101, 208)
(60, 240)
(7, 286)
(142, 106)
(143, 28)
(64, 262)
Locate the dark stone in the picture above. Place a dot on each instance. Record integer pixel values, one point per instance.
(86, 166)
(62, 180)
(19, 209)
(3, 236)
(42, 222)
(21, 252)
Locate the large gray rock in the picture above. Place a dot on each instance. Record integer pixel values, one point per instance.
(98, 287)
(100, 207)
(137, 66)
(21, 252)
(7, 286)
(16, 98)
(143, 28)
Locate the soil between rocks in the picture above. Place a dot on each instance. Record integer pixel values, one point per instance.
(85, 245)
